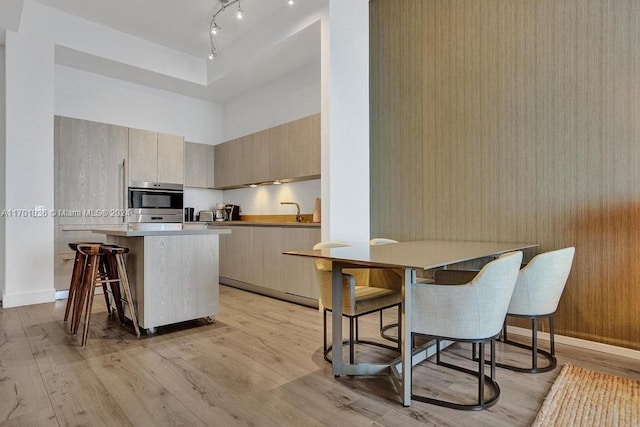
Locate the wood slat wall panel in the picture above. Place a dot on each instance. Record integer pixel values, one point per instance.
(516, 121)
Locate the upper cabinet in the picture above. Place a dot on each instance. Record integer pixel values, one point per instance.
(156, 157)
(199, 161)
(295, 149)
(287, 152)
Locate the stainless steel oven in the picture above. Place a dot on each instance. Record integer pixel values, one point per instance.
(151, 202)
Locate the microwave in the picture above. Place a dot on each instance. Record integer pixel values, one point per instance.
(155, 202)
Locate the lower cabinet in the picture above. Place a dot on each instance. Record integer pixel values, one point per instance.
(252, 256)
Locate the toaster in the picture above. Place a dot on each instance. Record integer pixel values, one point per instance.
(205, 216)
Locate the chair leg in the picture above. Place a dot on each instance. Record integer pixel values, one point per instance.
(324, 331)
(493, 360)
(384, 328)
(351, 344)
(534, 367)
(125, 288)
(400, 328)
(102, 274)
(534, 343)
(482, 400)
(90, 288)
(481, 375)
(552, 341)
(81, 294)
(76, 278)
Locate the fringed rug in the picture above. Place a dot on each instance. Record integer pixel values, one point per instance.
(582, 397)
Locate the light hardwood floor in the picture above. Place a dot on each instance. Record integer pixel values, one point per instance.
(259, 364)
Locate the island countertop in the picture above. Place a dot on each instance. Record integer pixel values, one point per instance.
(125, 232)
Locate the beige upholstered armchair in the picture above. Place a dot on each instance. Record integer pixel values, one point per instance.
(536, 295)
(358, 299)
(472, 312)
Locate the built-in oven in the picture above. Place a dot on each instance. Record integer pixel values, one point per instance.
(153, 202)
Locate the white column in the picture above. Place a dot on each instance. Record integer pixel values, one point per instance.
(2, 168)
(345, 122)
(29, 173)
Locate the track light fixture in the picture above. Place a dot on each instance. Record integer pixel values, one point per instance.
(214, 28)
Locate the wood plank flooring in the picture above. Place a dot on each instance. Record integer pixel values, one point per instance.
(260, 363)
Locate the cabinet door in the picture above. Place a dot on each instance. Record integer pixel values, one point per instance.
(277, 152)
(210, 166)
(228, 164)
(255, 149)
(298, 274)
(143, 155)
(89, 178)
(170, 158)
(234, 247)
(196, 165)
(265, 257)
(309, 143)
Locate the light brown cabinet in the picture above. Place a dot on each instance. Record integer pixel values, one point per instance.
(198, 165)
(89, 173)
(234, 250)
(227, 164)
(155, 157)
(287, 152)
(294, 149)
(253, 255)
(89, 185)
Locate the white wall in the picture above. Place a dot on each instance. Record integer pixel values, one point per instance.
(283, 100)
(202, 199)
(265, 199)
(89, 96)
(2, 167)
(29, 166)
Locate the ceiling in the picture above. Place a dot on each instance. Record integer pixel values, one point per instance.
(183, 25)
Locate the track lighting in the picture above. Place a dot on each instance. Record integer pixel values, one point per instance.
(214, 28)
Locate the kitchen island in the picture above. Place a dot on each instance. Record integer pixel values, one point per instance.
(173, 273)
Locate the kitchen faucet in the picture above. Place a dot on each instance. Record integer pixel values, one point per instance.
(298, 216)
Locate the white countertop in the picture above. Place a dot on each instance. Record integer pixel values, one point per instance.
(125, 232)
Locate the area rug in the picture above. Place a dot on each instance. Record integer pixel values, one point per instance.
(582, 397)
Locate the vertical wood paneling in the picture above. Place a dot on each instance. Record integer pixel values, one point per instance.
(516, 121)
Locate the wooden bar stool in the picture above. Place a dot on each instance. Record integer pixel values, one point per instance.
(117, 273)
(104, 267)
(83, 297)
(76, 279)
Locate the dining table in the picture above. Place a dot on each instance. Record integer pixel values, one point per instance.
(409, 257)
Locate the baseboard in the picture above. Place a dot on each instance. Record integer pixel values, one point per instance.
(28, 298)
(296, 299)
(577, 342)
(62, 294)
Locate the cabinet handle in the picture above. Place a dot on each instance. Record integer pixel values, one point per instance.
(124, 190)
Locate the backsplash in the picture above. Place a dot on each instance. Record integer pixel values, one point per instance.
(265, 199)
